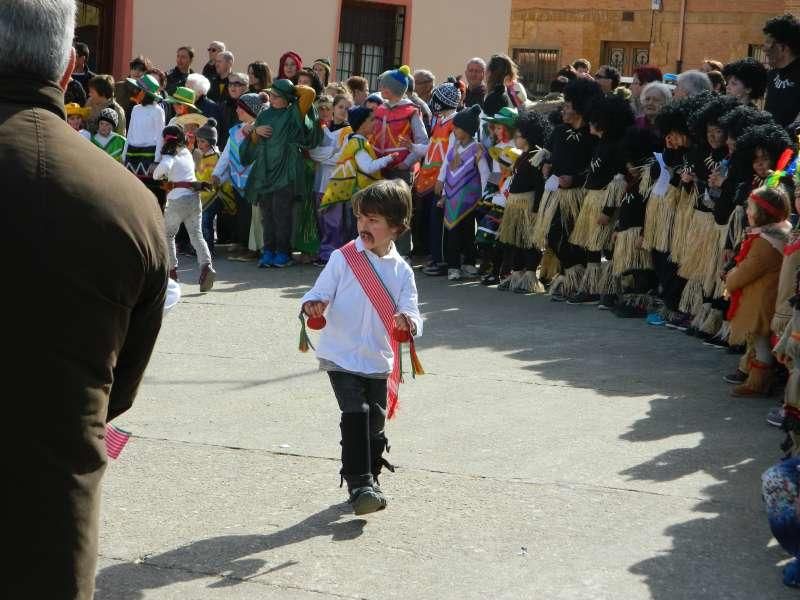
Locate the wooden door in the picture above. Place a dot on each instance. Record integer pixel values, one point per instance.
(626, 56)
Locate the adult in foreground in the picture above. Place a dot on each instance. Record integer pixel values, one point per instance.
(85, 325)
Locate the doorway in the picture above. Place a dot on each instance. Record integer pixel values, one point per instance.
(94, 26)
(626, 56)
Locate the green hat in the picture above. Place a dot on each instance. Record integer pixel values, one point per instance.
(185, 96)
(284, 88)
(147, 83)
(505, 116)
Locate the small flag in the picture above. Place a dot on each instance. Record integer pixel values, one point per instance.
(116, 439)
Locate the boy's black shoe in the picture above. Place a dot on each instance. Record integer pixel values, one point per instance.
(735, 378)
(490, 279)
(740, 349)
(585, 299)
(367, 500)
(607, 302)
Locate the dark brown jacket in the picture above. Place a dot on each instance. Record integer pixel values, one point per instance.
(84, 274)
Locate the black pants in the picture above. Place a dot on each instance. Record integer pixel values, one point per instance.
(522, 259)
(362, 401)
(569, 255)
(460, 241)
(404, 242)
(671, 284)
(276, 219)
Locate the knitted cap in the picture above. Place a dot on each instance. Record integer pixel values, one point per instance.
(357, 115)
(251, 103)
(109, 115)
(468, 119)
(208, 132)
(395, 80)
(495, 100)
(376, 98)
(445, 96)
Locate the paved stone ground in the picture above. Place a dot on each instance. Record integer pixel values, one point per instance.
(551, 452)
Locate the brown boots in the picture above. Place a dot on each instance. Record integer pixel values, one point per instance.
(758, 383)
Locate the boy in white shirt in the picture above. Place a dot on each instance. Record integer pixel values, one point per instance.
(183, 203)
(369, 298)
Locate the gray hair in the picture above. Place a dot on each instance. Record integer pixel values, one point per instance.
(426, 74)
(693, 82)
(198, 83)
(227, 55)
(36, 37)
(477, 61)
(220, 45)
(661, 88)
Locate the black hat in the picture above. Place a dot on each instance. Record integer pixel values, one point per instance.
(356, 116)
(208, 132)
(495, 100)
(469, 119)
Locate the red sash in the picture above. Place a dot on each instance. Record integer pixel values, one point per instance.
(385, 306)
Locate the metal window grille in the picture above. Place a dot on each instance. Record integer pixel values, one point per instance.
(370, 40)
(537, 68)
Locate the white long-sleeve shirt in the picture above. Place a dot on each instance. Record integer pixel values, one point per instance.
(176, 168)
(326, 155)
(354, 337)
(145, 129)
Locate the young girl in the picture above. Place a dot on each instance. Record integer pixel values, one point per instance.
(368, 296)
(143, 144)
(356, 168)
(752, 284)
(289, 66)
(462, 178)
(335, 137)
(76, 118)
(217, 198)
(183, 203)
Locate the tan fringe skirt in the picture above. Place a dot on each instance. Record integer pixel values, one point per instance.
(516, 228)
(569, 203)
(684, 213)
(588, 233)
(701, 246)
(628, 254)
(659, 219)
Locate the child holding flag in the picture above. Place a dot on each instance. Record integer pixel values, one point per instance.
(369, 298)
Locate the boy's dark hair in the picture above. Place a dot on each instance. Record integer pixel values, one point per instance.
(751, 72)
(103, 85)
(638, 145)
(139, 62)
(189, 51)
(777, 198)
(316, 82)
(357, 84)
(717, 81)
(81, 49)
(580, 92)
(176, 141)
(613, 74)
(534, 127)
(610, 114)
(710, 114)
(389, 198)
(769, 137)
(785, 30)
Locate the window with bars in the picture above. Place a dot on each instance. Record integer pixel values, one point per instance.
(370, 40)
(537, 68)
(757, 51)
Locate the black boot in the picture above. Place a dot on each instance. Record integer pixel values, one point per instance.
(377, 446)
(356, 464)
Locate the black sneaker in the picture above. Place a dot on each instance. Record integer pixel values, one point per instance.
(735, 378)
(607, 302)
(490, 279)
(584, 299)
(367, 500)
(716, 342)
(776, 416)
(740, 349)
(436, 270)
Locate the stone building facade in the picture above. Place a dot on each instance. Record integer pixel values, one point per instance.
(625, 33)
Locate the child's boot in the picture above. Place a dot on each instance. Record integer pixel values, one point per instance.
(356, 464)
(758, 383)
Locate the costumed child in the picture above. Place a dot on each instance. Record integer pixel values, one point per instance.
(368, 297)
(216, 199)
(502, 126)
(143, 144)
(335, 137)
(571, 147)
(444, 102)
(525, 190)
(106, 138)
(183, 203)
(274, 148)
(357, 167)
(460, 182)
(400, 130)
(609, 117)
(230, 169)
(632, 265)
(753, 284)
(76, 118)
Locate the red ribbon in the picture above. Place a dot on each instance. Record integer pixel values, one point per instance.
(772, 210)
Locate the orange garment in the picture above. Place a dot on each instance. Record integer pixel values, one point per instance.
(392, 130)
(434, 157)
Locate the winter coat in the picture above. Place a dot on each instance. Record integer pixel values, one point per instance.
(786, 287)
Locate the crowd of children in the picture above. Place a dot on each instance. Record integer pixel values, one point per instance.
(673, 205)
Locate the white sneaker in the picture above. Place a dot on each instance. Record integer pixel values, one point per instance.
(453, 274)
(469, 271)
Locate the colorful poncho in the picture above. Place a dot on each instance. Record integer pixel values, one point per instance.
(462, 184)
(114, 147)
(347, 178)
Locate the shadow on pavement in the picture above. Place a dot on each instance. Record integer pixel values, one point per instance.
(226, 557)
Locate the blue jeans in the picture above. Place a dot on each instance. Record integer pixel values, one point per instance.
(209, 215)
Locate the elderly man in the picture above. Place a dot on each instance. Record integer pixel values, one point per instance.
(476, 89)
(219, 83)
(83, 326)
(176, 77)
(424, 82)
(782, 46)
(691, 83)
(210, 68)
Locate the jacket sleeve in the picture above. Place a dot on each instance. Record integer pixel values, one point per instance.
(140, 337)
(761, 259)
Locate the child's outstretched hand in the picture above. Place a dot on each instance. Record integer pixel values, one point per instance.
(314, 308)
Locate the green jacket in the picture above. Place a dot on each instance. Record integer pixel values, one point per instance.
(278, 160)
